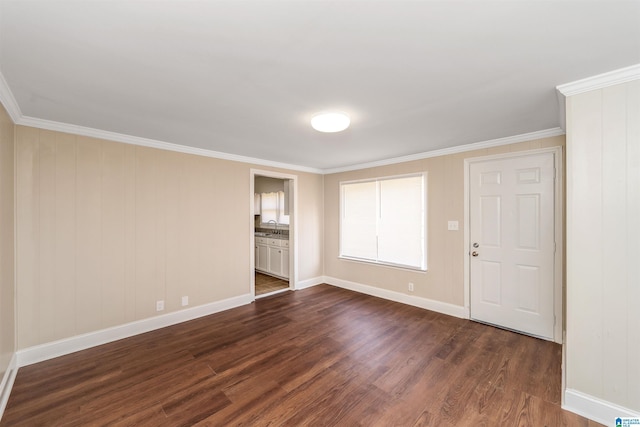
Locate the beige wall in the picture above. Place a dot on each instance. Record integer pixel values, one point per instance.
(443, 281)
(7, 249)
(603, 235)
(106, 229)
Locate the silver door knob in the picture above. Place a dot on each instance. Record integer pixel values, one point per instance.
(474, 253)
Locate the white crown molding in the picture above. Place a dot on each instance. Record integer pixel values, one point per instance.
(600, 81)
(152, 143)
(9, 102)
(453, 150)
(7, 99)
(39, 353)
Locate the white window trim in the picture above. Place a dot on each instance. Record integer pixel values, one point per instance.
(424, 268)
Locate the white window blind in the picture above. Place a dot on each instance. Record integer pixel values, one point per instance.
(384, 221)
(272, 208)
(269, 207)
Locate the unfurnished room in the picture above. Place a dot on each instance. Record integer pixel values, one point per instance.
(319, 213)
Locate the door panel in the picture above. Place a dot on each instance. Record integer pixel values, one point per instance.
(275, 260)
(491, 279)
(262, 258)
(512, 233)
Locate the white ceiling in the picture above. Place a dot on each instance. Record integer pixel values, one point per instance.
(245, 77)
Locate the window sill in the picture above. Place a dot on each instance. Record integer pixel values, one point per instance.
(383, 264)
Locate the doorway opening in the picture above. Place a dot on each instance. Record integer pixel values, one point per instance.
(273, 232)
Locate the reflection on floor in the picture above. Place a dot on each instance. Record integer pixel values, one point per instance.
(268, 284)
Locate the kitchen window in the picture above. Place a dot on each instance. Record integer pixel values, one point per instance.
(383, 221)
(272, 208)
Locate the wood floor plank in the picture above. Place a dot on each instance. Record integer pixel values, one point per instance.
(320, 356)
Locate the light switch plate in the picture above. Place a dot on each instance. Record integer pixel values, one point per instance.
(452, 225)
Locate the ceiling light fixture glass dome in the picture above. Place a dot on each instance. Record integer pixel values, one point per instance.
(330, 122)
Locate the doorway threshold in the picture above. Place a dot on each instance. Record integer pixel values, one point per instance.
(268, 294)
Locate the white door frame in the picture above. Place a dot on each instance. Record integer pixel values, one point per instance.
(558, 292)
(293, 226)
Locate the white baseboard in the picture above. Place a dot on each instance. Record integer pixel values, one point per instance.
(7, 383)
(314, 281)
(595, 409)
(53, 349)
(428, 304)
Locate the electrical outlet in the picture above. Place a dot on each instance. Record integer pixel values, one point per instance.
(452, 225)
(185, 301)
(159, 305)
(410, 287)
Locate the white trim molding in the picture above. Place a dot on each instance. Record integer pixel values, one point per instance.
(427, 304)
(7, 383)
(547, 133)
(600, 81)
(152, 143)
(7, 99)
(39, 353)
(9, 102)
(595, 409)
(308, 283)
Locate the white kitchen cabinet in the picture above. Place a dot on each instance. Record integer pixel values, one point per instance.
(262, 255)
(275, 260)
(272, 256)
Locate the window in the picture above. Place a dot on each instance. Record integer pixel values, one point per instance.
(383, 221)
(268, 207)
(272, 208)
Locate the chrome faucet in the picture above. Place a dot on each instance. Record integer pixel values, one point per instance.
(275, 226)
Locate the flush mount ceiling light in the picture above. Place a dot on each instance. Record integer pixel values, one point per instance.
(330, 122)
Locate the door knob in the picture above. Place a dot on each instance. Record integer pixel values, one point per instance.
(474, 253)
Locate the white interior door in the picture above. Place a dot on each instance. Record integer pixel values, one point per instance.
(512, 253)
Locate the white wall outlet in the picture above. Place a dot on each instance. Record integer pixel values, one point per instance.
(159, 305)
(410, 287)
(185, 301)
(452, 225)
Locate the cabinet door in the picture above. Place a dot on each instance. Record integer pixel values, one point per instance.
(275, 260)
(285, 263)
(262, 257)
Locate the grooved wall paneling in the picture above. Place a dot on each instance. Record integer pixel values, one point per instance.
(107, 229)
(603, 254)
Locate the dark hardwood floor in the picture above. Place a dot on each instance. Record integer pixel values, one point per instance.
(316, 357)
